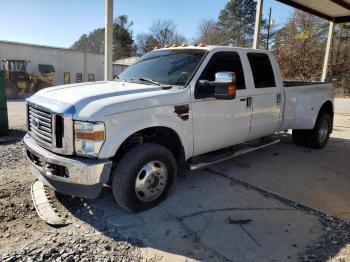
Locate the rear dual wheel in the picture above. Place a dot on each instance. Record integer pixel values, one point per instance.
(318, 136)
(143, 177)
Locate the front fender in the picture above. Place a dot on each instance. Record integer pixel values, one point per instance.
(120, 126)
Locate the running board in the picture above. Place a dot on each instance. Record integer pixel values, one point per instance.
(239, 152)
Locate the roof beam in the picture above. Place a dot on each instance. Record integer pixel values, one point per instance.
(306, 9)
(342, 19)
(342, 3)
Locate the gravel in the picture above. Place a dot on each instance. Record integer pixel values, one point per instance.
(78, 246)
(24, 237)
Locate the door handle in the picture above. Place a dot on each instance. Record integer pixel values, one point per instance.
(242, 99)
(249, 101)
(278, 99)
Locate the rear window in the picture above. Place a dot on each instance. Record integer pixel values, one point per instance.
(262, 70)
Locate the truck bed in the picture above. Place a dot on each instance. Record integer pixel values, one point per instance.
(302, 103)
(290, 83)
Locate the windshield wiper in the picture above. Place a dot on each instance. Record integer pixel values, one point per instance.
(146, 80)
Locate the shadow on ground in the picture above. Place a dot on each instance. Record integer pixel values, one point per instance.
(317, 178)
(14, 136)
(238, 210)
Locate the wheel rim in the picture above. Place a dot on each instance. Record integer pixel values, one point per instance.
(323, 131)
(151, 181)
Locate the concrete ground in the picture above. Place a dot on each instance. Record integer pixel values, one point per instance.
(230, 212)
(211, 218)
(317, 178)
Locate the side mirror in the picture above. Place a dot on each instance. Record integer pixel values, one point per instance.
(223, 88)
(225, 77)
(225, 85)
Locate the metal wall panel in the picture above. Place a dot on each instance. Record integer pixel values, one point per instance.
(63, 60)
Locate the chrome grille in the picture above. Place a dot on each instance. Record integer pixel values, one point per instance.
(40, 125)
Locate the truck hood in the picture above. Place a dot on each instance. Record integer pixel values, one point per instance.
(95, 100)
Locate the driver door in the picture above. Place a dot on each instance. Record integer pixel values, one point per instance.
(221, 123)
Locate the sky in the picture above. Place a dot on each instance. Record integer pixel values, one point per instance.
(61, 23)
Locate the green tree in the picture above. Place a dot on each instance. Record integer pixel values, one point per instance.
(94, 41)
(236, 23)
(123, 43)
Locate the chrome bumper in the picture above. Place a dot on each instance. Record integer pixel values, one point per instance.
(68, 175)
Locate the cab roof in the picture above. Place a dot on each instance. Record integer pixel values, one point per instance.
(209, 48)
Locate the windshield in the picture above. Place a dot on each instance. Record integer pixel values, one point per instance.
(17, 66)
(169, 67)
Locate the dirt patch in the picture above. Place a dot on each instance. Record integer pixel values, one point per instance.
(25, 237)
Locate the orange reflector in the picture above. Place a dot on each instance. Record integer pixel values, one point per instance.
(167, 46)
(95, 136)
(231, 90)
(201, 45)
(174, 45)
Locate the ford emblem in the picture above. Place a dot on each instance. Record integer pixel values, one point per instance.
(36, 122)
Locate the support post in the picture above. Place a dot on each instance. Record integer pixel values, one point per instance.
(328, 49)
(258, 16)
(268, 30)
(108, 39)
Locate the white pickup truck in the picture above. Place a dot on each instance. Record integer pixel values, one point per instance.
(162, 117)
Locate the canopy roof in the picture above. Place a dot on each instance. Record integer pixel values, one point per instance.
(337, 11)
(126, 61)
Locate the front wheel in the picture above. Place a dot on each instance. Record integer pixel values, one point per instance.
(143, 177)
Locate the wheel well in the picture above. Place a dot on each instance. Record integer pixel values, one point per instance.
(327, 107)
(163, 136)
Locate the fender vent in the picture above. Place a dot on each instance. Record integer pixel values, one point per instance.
(182, 111)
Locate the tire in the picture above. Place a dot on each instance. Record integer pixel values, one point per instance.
(299, 137)
(143, 177)
(318, 137)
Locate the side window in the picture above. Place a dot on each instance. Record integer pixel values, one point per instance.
(91, 77)
(66, 78)
(262, 70)
(78, 77)
(225, 61)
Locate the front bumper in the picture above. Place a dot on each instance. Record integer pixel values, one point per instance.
(68, 175)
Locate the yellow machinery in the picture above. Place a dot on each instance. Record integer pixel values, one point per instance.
(18, 82)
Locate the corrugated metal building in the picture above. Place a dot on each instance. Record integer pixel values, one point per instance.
(71, 66)
(120, 65)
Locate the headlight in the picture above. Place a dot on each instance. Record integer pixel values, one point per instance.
(89, 138)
